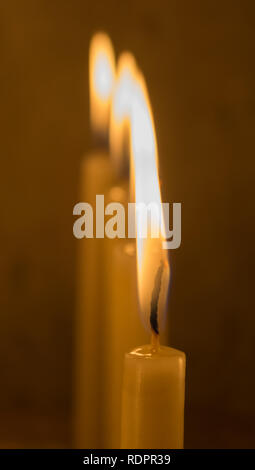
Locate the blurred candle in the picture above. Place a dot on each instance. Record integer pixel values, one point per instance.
(122, 328)
(154, 376)
(96, 178)
(121, 292)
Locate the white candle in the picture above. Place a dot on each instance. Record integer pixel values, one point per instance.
(96, 179)
(154, 376)
(122, 328)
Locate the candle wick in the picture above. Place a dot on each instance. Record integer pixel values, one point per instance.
(155, 299)
(154, 341)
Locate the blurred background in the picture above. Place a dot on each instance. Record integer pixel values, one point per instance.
(198, 60)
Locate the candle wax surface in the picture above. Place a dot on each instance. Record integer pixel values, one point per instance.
(153, 398)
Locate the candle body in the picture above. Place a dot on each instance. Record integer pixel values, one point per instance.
(153, 399)
(96, 178)
(123, 330)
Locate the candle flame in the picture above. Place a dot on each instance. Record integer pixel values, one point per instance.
(101, 82)
(152, 260)
(131, 115)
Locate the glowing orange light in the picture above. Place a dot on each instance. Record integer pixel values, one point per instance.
(121, 111)
(101, 80)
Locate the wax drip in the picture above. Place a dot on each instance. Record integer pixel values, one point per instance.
(155, 299)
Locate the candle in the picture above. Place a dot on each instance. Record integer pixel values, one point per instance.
(154, 376)
(122, 331)
(96, 178)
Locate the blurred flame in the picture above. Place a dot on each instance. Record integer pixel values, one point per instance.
(101, 81)
(121, 111)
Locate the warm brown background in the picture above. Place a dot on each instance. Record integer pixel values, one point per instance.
(198, 58)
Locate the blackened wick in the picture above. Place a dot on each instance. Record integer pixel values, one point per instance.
(155, 299)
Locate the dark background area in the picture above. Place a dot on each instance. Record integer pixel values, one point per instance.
(198, 60)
